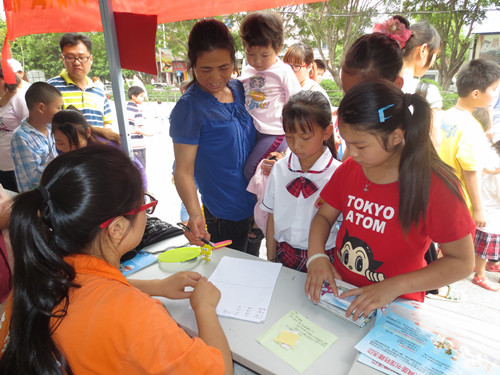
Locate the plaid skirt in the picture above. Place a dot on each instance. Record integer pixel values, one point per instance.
(487, 245)
(295, 258)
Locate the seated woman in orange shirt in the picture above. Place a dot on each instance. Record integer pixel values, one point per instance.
(71, 310)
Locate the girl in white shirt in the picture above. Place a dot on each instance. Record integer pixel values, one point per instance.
(292, 192)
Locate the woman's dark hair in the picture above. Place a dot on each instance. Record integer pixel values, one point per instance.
(205, 36)
(72, 123)
(10, 86)
(423, 33)
(78, 191)
(299, 53)
(381, 99)
(306, 109)
(374, 56)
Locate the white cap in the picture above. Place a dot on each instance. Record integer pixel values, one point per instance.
(15, 65)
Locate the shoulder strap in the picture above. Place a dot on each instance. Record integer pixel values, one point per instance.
(421, 89)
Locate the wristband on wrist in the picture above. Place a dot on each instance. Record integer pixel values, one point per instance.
(315, 256)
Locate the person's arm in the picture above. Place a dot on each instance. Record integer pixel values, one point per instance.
(270, 241)
(5, 208)
(320, 269)
(473, 188)
(185, 156)
(28, 164)
(456, 264)
(435, 131)
(172, 287)
(204, 301)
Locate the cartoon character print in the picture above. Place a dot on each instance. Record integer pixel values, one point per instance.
(256, 96)
(3, 128)
(357, 256)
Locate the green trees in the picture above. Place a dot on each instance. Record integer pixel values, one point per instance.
(334, 25)
(454, 20)
(331, 26)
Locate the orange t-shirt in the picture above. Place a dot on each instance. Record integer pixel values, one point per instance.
(113, 328)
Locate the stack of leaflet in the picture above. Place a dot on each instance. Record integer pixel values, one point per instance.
(338, 306)
(411, 338)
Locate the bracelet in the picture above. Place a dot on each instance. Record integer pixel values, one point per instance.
(316, 256)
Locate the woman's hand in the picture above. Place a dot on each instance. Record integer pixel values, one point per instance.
(205, 295)
(174, 286)
(320, 270)
(369, 298)
(5, 208)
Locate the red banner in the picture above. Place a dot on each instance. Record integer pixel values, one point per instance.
(26, 17)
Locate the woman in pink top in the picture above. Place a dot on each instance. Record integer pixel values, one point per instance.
(13, 110)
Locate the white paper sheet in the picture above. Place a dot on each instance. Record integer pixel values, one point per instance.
(246, 287)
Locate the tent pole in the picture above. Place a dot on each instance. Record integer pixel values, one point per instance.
(111, 42)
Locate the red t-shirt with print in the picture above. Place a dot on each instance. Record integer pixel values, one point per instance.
(371, 245)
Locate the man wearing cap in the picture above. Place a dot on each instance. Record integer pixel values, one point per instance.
(76, 87)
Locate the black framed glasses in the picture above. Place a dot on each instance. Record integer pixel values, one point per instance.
(149, 206)
(72, 59)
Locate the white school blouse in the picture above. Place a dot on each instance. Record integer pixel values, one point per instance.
(293, 216)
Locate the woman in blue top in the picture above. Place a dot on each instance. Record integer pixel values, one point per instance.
(213, 135)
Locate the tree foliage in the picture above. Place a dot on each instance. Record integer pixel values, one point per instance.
(331, 26)
(334, 25)
(454, 20)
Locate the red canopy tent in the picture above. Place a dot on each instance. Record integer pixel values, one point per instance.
(25, 17)
(53, 16)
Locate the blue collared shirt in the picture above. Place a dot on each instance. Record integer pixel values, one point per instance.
(31, 151)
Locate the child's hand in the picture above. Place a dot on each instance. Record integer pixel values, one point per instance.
(205, 294)
(173, 286)
(369, 298)
(268, 163)
(320, 270)
(478, 217)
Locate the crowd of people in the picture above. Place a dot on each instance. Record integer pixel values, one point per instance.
(382, 192)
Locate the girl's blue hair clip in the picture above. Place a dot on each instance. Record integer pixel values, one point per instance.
(381, 114)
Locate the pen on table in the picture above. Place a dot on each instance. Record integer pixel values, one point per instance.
(187, 229)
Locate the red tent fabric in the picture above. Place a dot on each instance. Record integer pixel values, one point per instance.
(26, 17)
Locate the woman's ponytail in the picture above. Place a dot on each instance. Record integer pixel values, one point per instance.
(41, 281)
(78, 191)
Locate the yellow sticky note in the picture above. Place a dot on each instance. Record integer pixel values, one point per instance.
(288, 338)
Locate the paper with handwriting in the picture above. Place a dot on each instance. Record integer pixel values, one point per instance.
(246, 287)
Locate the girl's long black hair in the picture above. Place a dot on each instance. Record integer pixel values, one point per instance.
(72, 123)
(78, 191)
(360, 108)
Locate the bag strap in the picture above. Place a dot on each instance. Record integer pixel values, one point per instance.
(421, 89)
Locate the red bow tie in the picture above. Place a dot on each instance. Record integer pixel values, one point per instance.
(301, 184)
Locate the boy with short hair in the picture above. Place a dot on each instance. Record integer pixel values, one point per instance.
(136, 122)
(32, 145)
(463, 141)
(135, 116)
(268, 83)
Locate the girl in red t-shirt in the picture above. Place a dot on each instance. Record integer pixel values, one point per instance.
(396, 196)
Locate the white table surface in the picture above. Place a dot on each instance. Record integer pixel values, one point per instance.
(288, 295)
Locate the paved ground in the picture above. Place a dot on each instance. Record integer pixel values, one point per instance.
(476, 302)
